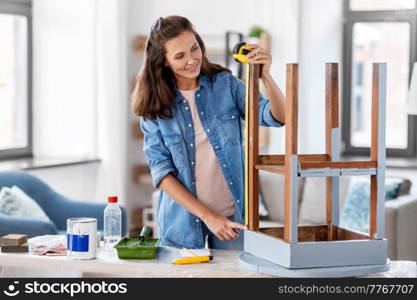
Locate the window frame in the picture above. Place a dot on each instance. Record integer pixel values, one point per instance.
(22, 8)
(350, 18)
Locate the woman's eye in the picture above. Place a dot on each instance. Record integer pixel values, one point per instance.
(178, 57)
(195, 48)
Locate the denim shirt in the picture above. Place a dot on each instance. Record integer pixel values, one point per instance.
(169, 145)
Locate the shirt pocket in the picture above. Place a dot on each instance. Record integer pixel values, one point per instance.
(230, 126)
(175, 145)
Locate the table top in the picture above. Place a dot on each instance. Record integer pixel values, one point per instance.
(107, 264)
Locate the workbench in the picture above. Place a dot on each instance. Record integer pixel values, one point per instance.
(107, 264)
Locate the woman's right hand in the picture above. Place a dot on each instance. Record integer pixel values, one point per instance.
(222, 227)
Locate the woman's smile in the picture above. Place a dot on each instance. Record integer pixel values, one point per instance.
(192, 68)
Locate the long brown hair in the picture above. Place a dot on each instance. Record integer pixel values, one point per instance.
(154, 92)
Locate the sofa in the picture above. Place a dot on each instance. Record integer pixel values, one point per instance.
(56, 206)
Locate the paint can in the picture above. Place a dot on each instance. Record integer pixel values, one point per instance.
(82, 238)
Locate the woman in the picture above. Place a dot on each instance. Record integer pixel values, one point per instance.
(191, 111)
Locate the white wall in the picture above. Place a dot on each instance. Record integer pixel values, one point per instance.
(320, 39)
(64, 77)
(80, 94)
(76, 182)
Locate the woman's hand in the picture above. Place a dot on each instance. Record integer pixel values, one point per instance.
(222, 227)
(259, 55)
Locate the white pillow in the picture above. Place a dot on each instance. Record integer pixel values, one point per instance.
(14, 202)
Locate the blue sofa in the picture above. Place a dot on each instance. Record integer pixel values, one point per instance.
(57, 207)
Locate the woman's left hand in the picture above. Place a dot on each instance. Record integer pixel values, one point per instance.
(259, 55)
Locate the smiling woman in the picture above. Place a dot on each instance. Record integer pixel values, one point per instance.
(184, 57)
(167, 52)
(191, 111)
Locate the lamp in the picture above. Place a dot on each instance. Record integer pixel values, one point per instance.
(412, 93)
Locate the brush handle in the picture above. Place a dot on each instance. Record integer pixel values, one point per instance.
(144, 233)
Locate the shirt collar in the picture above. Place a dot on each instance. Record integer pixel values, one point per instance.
(203, 80)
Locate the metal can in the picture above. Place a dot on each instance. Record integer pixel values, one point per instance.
(82, 238)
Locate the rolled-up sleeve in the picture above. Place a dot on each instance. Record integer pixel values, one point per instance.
(265, 116)
(158, 155)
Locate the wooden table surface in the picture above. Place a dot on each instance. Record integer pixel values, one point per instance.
(107, 264)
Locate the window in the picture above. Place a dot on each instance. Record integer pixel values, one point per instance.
(15, 79)
(378, 31)
(382, 4)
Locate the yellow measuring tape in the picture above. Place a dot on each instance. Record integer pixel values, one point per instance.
(247, 146)
(239, 53)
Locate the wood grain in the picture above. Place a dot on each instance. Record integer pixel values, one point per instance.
(374, 150)
(291, 140)
(332, 121)
(338, 165)
(280, 159)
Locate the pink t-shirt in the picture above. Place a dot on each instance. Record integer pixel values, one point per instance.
(211, 186)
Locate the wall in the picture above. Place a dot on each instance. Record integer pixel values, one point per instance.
(320, 40)
(76, 182)
(80, 92)
(64, 77)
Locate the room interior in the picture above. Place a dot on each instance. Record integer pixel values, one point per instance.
(71, 65)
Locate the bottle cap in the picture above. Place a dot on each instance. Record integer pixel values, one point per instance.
(112, 199)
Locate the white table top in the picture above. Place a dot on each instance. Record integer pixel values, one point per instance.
(107, 264)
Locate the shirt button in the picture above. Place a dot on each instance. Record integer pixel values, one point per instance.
(193, 182)
(189, 125)
(224, 165)
(198, 95)
(216, 147)
(186, 108)
(208, 130)
(230, 182)
(191, 144)
(202, 113)
(183, 101)
(192, 163)
(238, 201)
(197, 220)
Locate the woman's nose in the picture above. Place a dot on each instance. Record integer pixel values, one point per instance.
(191, 60)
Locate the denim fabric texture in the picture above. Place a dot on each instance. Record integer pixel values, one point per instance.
(169, 145)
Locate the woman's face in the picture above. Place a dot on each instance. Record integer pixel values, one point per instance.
(183, 56)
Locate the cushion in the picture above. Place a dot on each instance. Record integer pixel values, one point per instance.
(14, 202)
(355, 213)
(263, 211)
(313, 205)
(405, 186)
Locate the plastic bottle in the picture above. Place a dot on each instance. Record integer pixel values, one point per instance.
(112, 223)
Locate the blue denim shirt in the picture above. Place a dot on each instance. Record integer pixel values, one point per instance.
(169, 145)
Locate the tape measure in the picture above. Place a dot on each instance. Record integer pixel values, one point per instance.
(239, 54)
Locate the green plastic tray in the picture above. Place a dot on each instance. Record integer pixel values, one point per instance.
(130, 248)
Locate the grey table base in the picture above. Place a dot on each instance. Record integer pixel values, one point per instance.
(259, 265)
